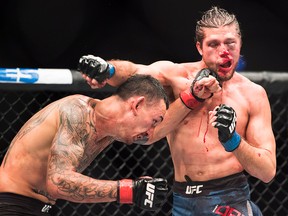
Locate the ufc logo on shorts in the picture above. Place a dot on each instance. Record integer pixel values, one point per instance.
(193, 189)
(46, 208)
(150, 190)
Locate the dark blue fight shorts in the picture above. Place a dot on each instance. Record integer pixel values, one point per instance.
(225, 196)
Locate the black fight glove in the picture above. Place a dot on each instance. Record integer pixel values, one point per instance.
(200, 75)
(147, 193)
(95, 68)
(188, 97)
(226, 124)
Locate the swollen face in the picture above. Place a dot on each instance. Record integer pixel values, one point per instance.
(221, 50)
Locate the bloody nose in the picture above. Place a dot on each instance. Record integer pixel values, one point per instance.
(224, 53)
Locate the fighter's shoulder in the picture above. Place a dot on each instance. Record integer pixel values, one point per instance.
(76, 101)
(248, 84)
(192, 68)
(176, 69)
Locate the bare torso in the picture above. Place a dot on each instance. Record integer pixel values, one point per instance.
(195, 148)
(24, 168)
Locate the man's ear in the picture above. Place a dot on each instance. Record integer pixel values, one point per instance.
(137, 104)
(199, 47)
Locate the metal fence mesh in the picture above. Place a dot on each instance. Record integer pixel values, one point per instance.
(121, 161)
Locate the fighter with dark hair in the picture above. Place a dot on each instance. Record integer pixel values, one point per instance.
(45, 159)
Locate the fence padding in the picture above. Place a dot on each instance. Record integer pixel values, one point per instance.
(274, 82)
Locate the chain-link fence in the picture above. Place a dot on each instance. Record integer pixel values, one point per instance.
(122, 161)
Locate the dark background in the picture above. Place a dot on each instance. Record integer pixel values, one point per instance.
(55, 33)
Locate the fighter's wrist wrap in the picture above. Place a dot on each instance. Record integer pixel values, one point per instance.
(96, 68)
(111, 70)
(188, 97)
(233, 143)
(189, 100)
(125, 191)
(192, 91)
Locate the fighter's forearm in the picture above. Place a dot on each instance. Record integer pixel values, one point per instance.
(175, 114)
(123, 70)
(78, 188)
(257, 162)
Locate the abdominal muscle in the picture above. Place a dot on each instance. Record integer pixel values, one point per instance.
(197, 153)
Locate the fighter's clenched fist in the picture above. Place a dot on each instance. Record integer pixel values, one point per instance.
(95, 68)
(203, 86)
(225, 120)
(147, 193)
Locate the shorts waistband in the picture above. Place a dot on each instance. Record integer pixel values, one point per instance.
(21, 200)
(202, 188)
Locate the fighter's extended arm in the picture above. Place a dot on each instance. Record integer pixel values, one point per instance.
(98, 72)
(168, 73)
(147, 193)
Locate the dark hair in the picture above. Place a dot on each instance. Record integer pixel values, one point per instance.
(142, 85)
(215, 18)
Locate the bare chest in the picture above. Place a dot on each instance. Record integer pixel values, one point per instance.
(198, 123)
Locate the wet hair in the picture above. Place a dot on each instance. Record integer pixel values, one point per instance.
(215, 18)
(142, 85)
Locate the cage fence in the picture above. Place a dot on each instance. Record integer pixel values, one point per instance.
(122, 161)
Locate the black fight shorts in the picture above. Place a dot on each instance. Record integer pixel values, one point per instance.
(14, 204)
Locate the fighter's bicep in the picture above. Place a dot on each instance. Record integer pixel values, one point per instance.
(64, 155)
(259, 130)
(165, 71)
(68, 144)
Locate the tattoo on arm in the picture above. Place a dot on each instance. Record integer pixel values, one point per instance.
(69, 154)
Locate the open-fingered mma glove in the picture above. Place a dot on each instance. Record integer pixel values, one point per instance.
(147, 193)
(188, 97)
(95, 68)
(226, 124)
